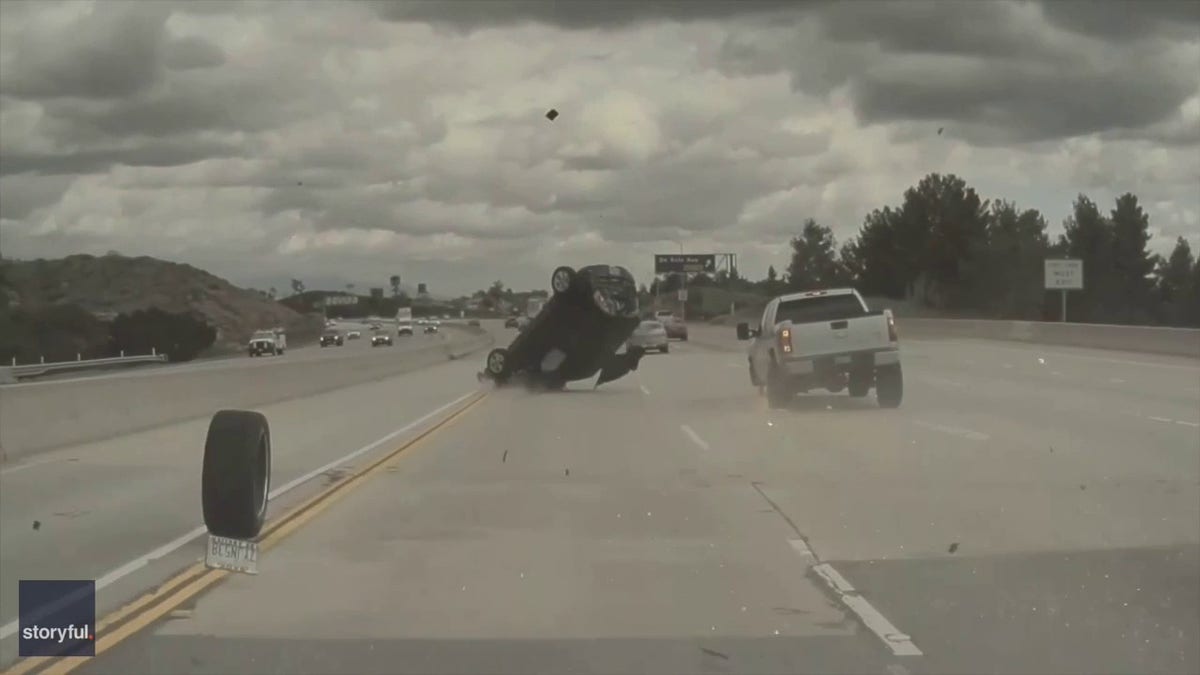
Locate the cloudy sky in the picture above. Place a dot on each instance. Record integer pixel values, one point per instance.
(345, 142)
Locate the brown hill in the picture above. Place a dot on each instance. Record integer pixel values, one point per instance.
(108, 285)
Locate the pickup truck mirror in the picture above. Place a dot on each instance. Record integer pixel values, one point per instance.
(743, 331)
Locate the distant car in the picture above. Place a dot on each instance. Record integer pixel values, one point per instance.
(510, 322)
(329, 339)
(649, 335)
(674, 325)
(431, 329)
(381, 339)
(353, 335)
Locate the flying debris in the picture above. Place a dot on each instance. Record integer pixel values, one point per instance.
(552, 114)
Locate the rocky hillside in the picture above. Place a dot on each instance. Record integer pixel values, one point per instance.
(108, 285)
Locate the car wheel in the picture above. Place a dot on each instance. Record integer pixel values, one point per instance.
(562, 280)
(666, 348)
(889, 386)
(497, 361)
(236, 475)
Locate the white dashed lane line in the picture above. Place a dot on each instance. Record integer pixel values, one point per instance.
(953, 431)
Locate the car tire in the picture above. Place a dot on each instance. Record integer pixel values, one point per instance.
(889, 386)
(684, 338)
(497, 362)
(779, 391)
(665, 349)
(235, 482)
(562, 280)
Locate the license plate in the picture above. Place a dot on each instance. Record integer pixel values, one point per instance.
(235, 555)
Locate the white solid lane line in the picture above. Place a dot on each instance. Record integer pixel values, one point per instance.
(953, 431)
(695, 437)
(644, 389)
(141, 561)
(899, 643)
(1160, 419)
(1188, 424)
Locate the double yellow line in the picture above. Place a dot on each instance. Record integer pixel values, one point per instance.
(142, 612)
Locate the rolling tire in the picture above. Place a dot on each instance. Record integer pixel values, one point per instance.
(889, 386)
(779, 393)
(236, 477)
(497, 361)
(562, 280)
(665, 349)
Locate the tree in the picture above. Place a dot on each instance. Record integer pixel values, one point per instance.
(1018, 246)
(1132, 264)
(1088, 237)
(772, 276)
(875, 259)
(394, 280)
(814, 259)
(941, 238)
(297, 286)
(180, 336)
(1173, 283)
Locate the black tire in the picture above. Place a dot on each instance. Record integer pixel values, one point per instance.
(684, 338)
(562, 280)
(889, 386)
(236, 477)
(779, 391)
(497, 362)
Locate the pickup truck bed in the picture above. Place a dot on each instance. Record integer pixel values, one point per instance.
(824, 339)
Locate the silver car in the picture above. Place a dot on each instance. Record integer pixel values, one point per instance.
(649, 335)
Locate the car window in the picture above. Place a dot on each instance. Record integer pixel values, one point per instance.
(820, 308)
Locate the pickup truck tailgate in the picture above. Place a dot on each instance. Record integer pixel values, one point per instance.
(823, 338)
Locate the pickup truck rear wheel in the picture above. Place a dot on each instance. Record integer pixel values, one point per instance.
(889, 386)
(779, 391)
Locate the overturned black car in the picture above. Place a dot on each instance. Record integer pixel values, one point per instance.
(590, 315)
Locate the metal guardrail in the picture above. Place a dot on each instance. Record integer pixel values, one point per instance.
(34, 369)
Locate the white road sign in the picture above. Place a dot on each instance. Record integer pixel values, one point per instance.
(1064, 275)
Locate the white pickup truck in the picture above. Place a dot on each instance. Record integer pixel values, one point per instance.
(272, 342)
(827, 339)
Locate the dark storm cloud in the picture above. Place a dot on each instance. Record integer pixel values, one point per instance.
(471, 14)
(112, 52)
(157, 154)
(1025, 104)
(1122, 20)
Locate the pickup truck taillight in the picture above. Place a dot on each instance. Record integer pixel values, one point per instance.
(892, 336)
(785, 340)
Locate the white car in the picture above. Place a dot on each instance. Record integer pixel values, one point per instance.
(649, 335)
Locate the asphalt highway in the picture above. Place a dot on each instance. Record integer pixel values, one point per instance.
(1026, 510)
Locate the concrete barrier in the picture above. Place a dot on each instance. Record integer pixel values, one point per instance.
(42, 416)
(1141, 339)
